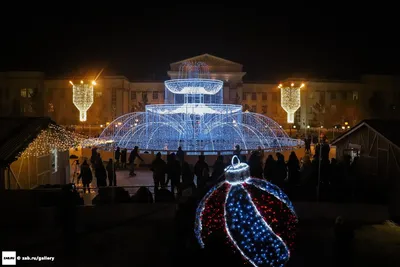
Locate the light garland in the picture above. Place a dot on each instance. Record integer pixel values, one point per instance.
(82, 97)
(290, 99)
(257, 218)
(54, 137)
(93, 142)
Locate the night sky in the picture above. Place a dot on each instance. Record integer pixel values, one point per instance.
(309, 44)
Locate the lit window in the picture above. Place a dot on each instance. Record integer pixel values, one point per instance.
(99, 94)
(50, 108)
(355, 95)
(26, 92)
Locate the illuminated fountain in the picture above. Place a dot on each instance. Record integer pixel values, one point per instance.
(195, 118)
(82, 97)
(290, 99)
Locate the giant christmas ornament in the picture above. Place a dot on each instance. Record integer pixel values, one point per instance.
(256, 217)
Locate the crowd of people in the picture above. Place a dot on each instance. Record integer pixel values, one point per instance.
(299, 177)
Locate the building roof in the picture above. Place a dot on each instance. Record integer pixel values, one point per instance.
(207, 58)
(17, 133)
(389, 129)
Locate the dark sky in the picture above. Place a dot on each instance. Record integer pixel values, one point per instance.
(308, 43)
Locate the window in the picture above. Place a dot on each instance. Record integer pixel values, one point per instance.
(253, 96)
(355, 95)
(50, 108)
(274, 97)
(99, 93)
(344, 95)
(114, 102)
(244, 96)
(333, 95)
(333, 108)
(54, 160)
(155, 95)
(310, 110)
(144, 98)
(311, 95)
(265, 109)
(254, 108)
(133, 95)
(232, 95)
(322, 98)
(264, 96)
(26, 92)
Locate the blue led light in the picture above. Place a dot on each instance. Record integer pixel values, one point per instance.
(195, 118)
(273, 190)
(255, 239)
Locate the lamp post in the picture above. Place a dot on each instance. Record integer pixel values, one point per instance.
(319, 163)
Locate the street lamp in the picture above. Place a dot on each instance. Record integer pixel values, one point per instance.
(319, 163)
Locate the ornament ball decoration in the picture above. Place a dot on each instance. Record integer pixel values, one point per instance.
(256, 217)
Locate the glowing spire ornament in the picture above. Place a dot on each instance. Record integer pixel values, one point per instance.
(82, 97)
(290, 99)
(253, 215)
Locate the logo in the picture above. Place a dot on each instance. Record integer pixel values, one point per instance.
(9, 258)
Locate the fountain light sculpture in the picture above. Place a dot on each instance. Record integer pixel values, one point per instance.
(194, 117)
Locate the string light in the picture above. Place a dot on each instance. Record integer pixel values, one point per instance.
(256, 217)
(93, 142)
(195, 118)
(82, 97)
(290, 99)
(53, 138)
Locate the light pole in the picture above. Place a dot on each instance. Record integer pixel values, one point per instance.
(319, 163)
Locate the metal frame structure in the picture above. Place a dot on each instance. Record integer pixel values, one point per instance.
(196, 119)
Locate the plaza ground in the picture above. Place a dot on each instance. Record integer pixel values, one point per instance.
(144, 177)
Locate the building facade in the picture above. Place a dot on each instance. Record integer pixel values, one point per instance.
(323, 103)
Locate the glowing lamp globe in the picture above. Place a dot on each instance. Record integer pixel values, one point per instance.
(290, 99)
(256, 218)
(82, 97)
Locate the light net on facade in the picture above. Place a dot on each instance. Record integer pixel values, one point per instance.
(195, 119)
